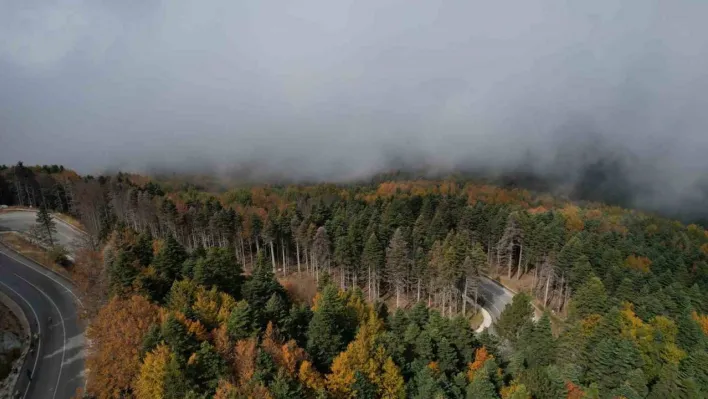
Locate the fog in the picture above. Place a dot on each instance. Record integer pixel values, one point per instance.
(605, 95)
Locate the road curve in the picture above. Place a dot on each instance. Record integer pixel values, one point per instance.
(493, 298)
(57, 362)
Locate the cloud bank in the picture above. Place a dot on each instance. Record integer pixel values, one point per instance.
(340, 90)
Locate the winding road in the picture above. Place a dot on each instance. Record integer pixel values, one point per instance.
(493, 298)
(56, 364)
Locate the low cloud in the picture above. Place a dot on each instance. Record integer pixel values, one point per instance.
(328, 90)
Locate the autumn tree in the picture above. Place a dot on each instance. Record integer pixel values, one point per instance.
(151, 381)
(116, 334)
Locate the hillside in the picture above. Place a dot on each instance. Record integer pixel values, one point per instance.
(189, 281)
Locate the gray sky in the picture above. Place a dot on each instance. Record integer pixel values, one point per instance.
(336, 89)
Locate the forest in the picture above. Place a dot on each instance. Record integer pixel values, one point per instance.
(199, 294)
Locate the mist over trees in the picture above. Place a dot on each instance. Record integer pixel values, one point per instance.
(622, 292)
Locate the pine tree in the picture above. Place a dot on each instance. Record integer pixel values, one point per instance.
(514, 317)
(372, 259)
(591, 298)
(241, 322)
(363, 388)
(321, 251)
(397, 263)
(206, 368)
(123, 272)
(258, 290)
(143, 249)
(481, 388)
(219, 269)
(324, 334)
(46, 227)
(168, 261)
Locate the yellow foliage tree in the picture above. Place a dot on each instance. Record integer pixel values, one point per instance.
(310, 377)
(391, 385)
(150, 383)
(361, 355)
(116, 334)
(207, 305)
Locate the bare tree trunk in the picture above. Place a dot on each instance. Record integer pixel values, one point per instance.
(548, 283)
(476, 291)
(508, 263)
(518, 267)
(418, 296)
(282, 250)
(243, 250)
(369, 281)
(464, 298)
(398, 295)
(297, 253)
(272, 257)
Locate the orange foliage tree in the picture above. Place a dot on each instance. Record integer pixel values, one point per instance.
(481, 355)
(640, 263)
(116, 335)
(702, 320)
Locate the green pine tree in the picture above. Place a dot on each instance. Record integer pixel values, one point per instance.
(481, 388)
(219, 269)
(241, 322)
(325, 333)
(591, 298)
(514, 317)
(168, 261)
(46, 227)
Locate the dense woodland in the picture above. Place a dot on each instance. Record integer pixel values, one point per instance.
(189, 302)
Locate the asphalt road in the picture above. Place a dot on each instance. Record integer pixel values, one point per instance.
(22, 221)
(494, 297)
(57, 361)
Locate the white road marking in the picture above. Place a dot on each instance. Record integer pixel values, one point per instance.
(39, 340)
(63, 327)
(46, 275)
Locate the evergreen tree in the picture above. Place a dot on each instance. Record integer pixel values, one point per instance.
(241, 322)
(324, 334)
(363, 388)
(372, 259)
(591, 298)
(143, 249)
(514, 317)
(219, 269)
(169, 259)
(397, 263)
(481, 388)
(206, 368)
(123, 272)
(259, 289)
(45, 226)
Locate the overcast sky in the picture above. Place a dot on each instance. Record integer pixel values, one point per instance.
(336, 89)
